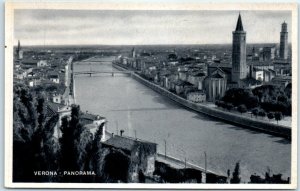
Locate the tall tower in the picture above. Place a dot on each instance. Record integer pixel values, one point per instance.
(239, 66)
(133, 52)
(283, 50)
(18, 48)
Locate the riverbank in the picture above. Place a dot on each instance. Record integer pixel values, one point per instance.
(246, 122)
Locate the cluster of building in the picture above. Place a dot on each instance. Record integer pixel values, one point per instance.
(49, 72)
(45, 69)
(203, 75)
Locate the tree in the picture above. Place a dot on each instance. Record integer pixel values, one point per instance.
(229, 106)
(278, 116)
(270, 115)
(242, 108)
(217, 103)
(238, 96)
(255, 112)
(69, 142)
(96, 152)
(33, 145)
(236, 174)
(262, 113)
(267, 92)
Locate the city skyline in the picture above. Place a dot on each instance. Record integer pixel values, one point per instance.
(57, 27)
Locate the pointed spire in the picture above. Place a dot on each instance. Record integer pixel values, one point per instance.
(239, 25)
(19, 47)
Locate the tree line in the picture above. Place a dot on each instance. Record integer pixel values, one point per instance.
(36, 149)
(265, 101)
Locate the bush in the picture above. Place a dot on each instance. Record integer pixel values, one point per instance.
(217, 103)
(278, 116)
(255, 111)
(238, 96)
(229, 106)
(270, 115)
(242, 108)
(262, 113)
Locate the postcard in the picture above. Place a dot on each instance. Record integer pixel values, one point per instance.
(155, 96)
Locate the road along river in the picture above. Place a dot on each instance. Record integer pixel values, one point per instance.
(140, 111)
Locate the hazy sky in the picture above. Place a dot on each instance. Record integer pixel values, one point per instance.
(51, 27)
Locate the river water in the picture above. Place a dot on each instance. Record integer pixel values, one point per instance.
(136, 109)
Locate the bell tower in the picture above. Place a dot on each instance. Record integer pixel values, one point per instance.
(239, 66)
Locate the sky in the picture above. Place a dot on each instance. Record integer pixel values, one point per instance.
(140, 27)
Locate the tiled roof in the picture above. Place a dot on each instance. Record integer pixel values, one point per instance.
(125, 143)
(55, 106)
(52, 108)
(91, 117)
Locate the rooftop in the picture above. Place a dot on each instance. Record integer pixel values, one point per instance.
(124, 142)
(91, 117)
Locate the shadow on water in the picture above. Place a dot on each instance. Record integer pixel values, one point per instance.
(144, 109)
(283, 141)
(166, 101)
(205, 117)
(221, 123)
(244, 129)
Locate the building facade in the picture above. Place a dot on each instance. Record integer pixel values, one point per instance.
(215, 85)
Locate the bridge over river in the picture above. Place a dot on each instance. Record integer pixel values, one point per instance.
(112, 72)
(181, 133)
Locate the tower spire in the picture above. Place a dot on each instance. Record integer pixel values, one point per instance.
(19, 46)
(239, 25)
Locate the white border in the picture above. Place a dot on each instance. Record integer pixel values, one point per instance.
(9, 10)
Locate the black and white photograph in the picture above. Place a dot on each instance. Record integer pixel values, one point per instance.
(151, 96)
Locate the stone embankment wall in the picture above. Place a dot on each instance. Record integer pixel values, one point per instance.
(214, 112)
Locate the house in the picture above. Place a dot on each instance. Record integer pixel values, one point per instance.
(30, 62)
(54, 78)
(20, 74)
(141, 155)
(269, 75)
(182, 75)
(92, 122)
(282, 67)
(281, 81)
(181, 86)
(57, 98)
(34, 82)
(196, 96)
(42, 63)
(256, 73)
(196, 78)
(62, 111)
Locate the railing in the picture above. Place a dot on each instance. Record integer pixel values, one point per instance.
(172, 160)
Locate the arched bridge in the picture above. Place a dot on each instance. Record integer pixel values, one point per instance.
(90, 73)
(86, 62)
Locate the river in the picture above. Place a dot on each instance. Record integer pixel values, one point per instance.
(136, 109)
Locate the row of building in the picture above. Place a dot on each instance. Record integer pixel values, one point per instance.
(207, 77)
